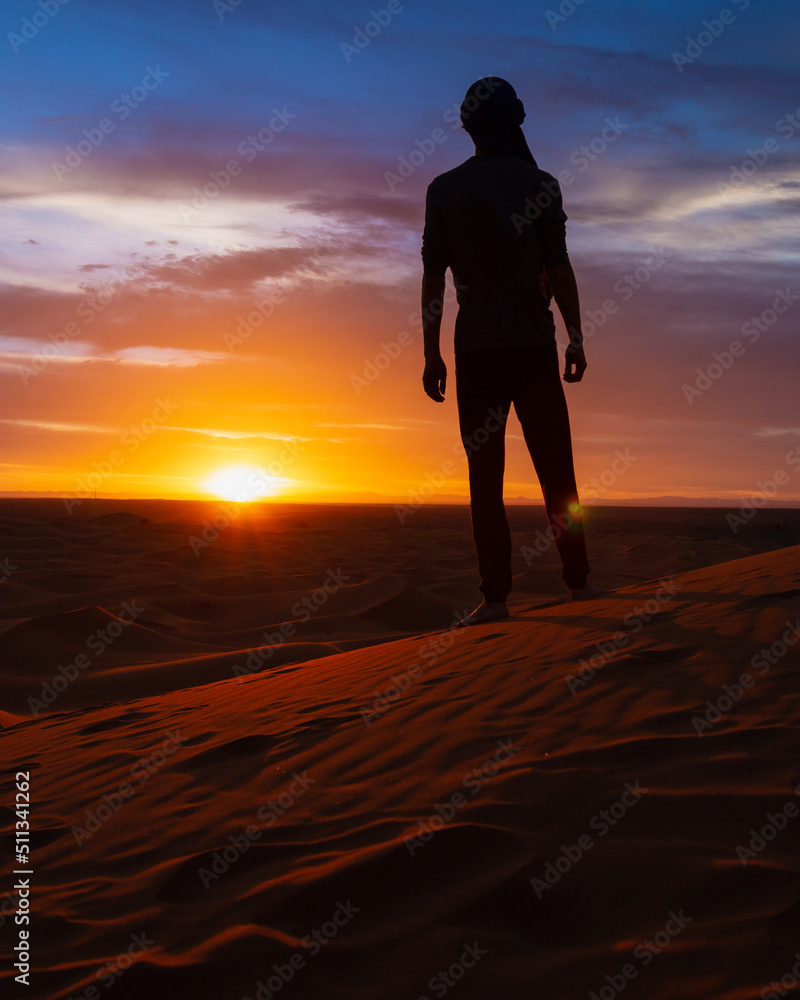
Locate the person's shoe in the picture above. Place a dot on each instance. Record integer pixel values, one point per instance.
(489, 611)
(586, 593)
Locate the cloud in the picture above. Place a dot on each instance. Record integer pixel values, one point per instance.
(777, 431)
(168, 356)
(234, 271)
(360, 206)
(310, 214)
(243, 435)
(58, 428)
(371, 427)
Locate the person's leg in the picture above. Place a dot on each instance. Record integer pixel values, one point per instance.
(541, 406)
(483, 407)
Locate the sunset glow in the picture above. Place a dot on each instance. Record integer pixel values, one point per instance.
(242, 483)
(212, 235)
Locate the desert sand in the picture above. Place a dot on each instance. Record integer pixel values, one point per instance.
(263, 763)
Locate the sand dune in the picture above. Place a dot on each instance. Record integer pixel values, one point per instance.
(548, 806)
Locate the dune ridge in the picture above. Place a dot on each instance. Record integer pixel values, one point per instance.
(528, 807)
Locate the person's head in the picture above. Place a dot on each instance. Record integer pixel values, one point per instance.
(491, 113)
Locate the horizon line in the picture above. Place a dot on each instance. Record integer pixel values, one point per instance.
(676, 501)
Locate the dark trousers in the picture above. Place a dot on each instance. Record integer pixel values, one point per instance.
(487, 383)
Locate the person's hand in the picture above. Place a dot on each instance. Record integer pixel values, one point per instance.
(434, 378)
(574, 364)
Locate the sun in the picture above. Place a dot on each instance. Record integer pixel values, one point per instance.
(242, 483)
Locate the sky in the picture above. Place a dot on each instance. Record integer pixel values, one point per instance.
(211, 225)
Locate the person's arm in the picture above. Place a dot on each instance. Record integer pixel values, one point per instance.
(434, 378)
(552, 235)
(565, 292)
(435, 261)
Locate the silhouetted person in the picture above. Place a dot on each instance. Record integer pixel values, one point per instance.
(497, 222)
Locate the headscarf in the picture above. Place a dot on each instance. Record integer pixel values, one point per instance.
(492, 115)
